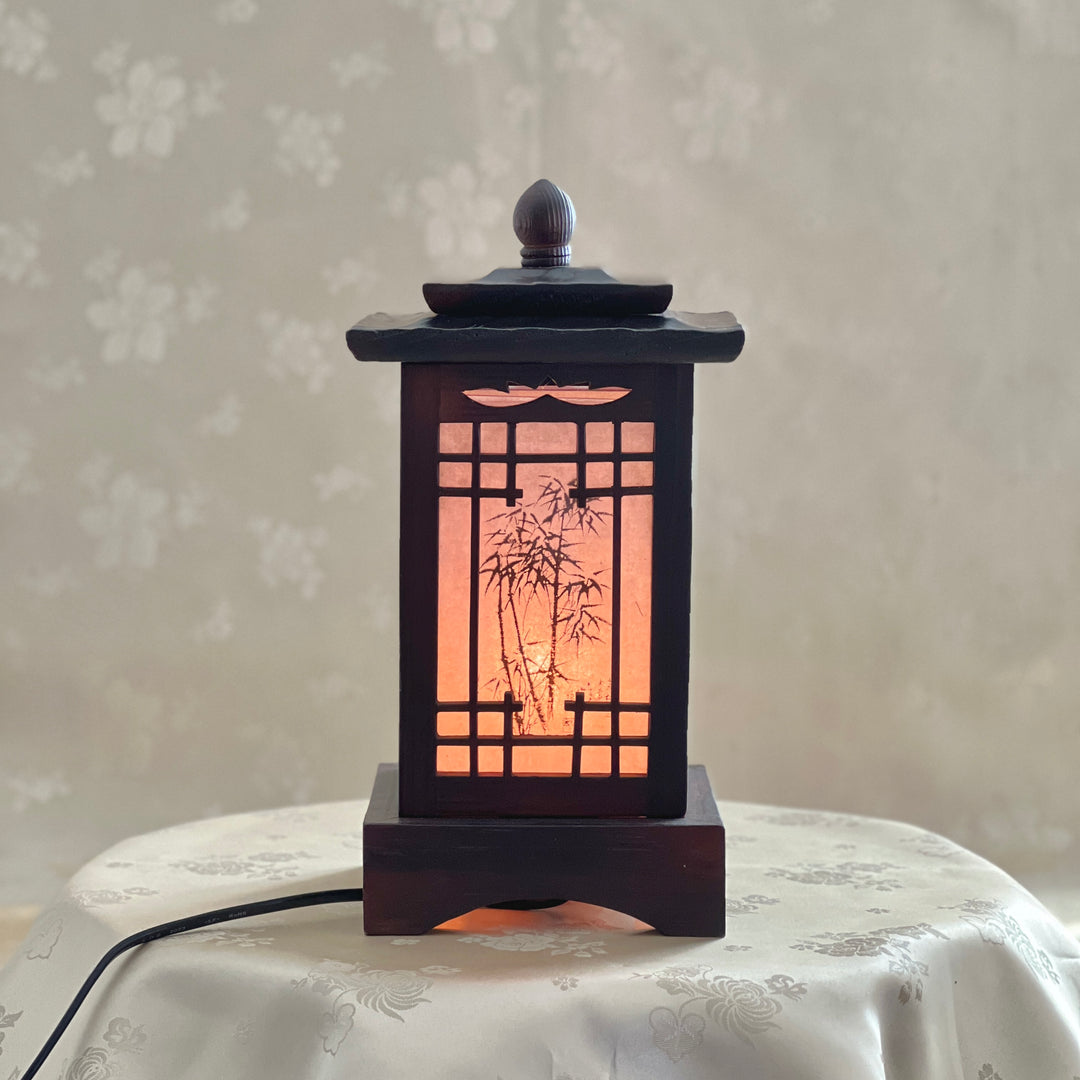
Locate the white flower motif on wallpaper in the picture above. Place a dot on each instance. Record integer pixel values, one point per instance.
(305, 142)
(236, 11)
(297, 348)
(341, 480)
(287, 554)
(819, 12)
(335, 688)
(199, 300)
(463, 28)
(23, 40)
(521, 102)
(35, 789)
(719, 116)
(138, 313)
(48, 583)
(218, 626)
(56, 376)
(357, 274)
(58, 171)
(1049, 26)
(368, 66)
(20, 247)
(149, 105)
(129, 521)
(457, 207)
(224, 419)
(141, 308)
(233, 214)
(16, 453)
(591, 46)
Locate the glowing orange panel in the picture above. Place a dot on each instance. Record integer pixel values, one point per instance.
(637, 474)
(634, 639)
(492, 474)
(492, 438)
(489, 760)
(545, 618)
(596, 761)
(547, 438)
(599, 438)
(489, 723)
(453, 664)
(542, 760)
(455, 438)
(452, 760)
(637, 438)
(599, 474)
(596, 723)
(452, 723)
(634, 723)
(455, 474)
(545, 599)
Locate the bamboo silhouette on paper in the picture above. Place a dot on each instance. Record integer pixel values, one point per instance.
(541, 588)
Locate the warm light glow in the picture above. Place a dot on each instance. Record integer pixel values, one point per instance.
(571, 916)
(453, 673)
(635, 651)
(516, 394)
(596, 761)
(561, 608)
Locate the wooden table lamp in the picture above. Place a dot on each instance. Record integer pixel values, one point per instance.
(546, 417)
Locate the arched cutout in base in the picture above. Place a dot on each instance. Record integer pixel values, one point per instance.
(570, 913)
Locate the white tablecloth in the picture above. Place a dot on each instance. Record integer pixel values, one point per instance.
(856, 948)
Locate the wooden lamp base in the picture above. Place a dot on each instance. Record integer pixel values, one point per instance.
(420, 872)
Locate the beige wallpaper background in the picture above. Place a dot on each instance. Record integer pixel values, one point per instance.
(198, 483)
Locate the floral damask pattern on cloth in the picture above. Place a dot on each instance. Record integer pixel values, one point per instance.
(997, 927)
(748, 905)
(743, 1007)
(856, 874)
(895, 942)
(8, 1020)
(348, 986)
(92, 898)
(264, 865)
(102, 1062)
(44, 938)
(554, 943)
(810, 978)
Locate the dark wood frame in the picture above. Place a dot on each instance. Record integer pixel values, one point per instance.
(431, 394)
(420, 872)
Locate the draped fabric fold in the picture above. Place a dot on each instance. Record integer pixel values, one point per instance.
(856, 948)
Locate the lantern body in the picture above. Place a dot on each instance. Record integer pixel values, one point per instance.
(546, 422)
(545, 565)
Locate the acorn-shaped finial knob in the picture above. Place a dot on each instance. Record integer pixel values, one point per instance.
(544, 222)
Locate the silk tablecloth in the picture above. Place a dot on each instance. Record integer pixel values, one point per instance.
(856, 948)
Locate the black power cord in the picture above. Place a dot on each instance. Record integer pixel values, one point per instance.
(179, 926)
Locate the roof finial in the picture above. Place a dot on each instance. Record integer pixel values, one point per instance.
(544, 221)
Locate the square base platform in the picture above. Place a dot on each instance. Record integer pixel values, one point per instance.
(420, 872)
